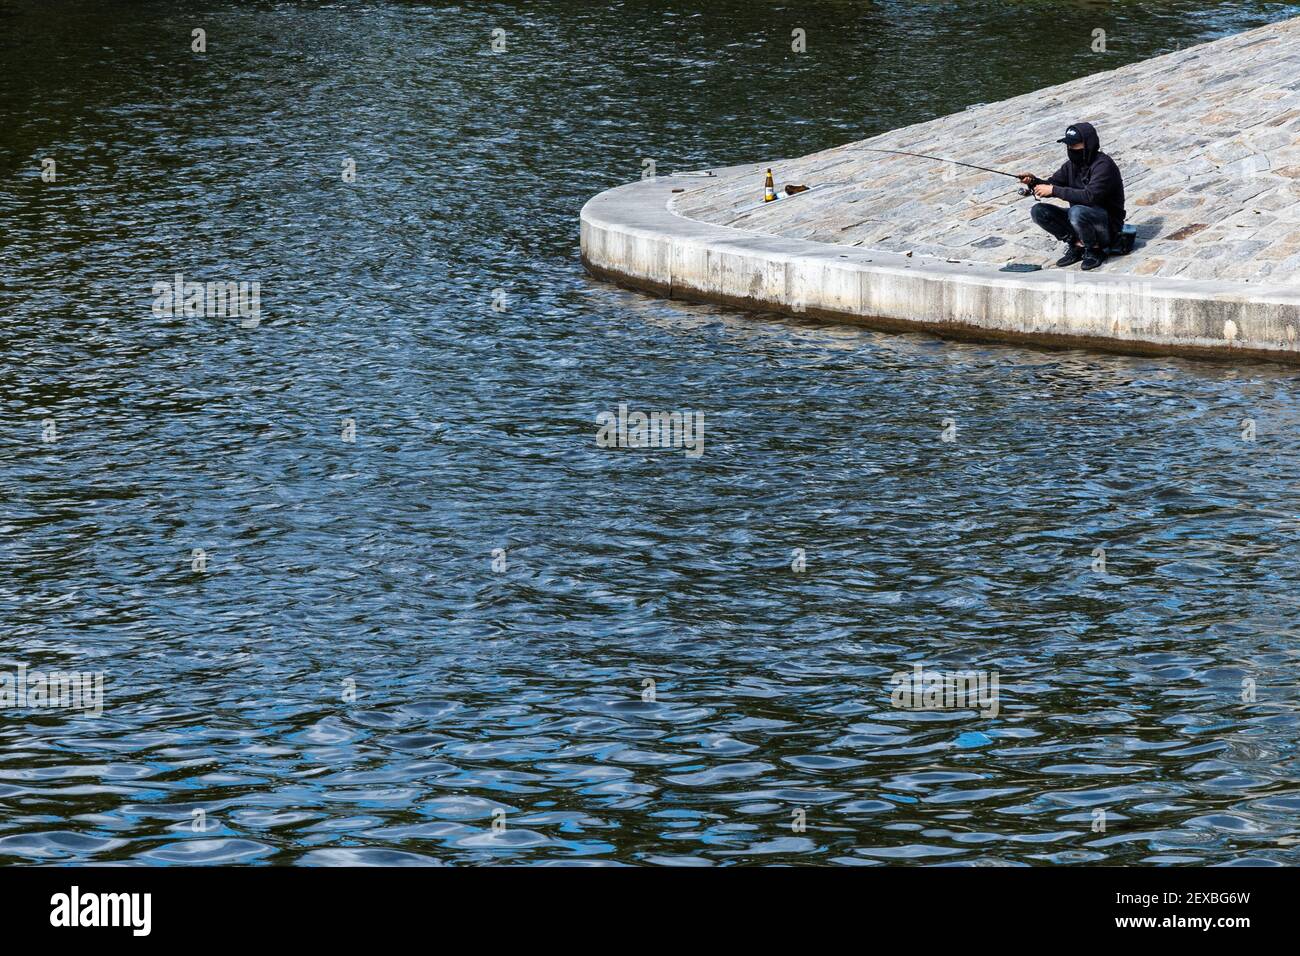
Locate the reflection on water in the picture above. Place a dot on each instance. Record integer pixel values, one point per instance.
(644, 677)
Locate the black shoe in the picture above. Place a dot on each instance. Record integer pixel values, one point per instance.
(1072, 255)
(1093, 259)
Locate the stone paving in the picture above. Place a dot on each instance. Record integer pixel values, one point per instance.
(1207, 138)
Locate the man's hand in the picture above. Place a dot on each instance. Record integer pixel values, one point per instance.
(1042, 190)
(1026, 178)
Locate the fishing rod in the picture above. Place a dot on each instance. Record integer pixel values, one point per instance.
(956, 162)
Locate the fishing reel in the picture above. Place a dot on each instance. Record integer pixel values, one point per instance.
(1028, 189)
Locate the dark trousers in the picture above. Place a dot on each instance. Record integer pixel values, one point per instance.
(1089, 225)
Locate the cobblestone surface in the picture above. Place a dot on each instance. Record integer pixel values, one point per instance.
(1206, 138)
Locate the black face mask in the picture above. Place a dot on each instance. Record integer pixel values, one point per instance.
(1076, 156)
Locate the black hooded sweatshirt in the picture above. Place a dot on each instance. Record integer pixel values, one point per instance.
(1093, 181)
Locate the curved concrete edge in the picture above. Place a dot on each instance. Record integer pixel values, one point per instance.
(631, 236)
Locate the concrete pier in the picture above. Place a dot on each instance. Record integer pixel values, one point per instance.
(1208, 140)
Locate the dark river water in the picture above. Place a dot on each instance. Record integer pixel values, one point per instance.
(469, 634)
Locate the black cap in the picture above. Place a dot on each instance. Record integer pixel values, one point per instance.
(1072, 137)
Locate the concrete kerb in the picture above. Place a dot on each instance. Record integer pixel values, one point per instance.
(631, 236)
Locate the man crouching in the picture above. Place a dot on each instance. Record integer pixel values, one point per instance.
(1090, 182)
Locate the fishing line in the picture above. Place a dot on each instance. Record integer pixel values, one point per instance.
(1026, 189)
(939, 159)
